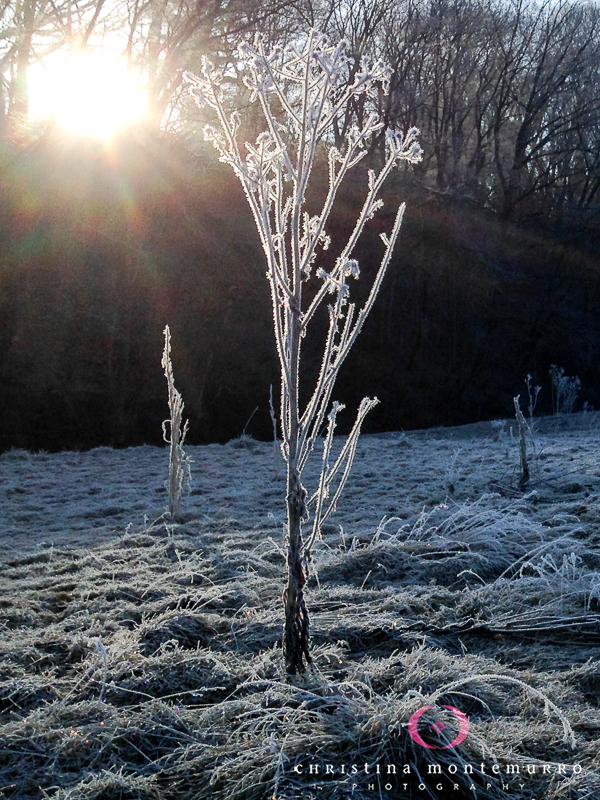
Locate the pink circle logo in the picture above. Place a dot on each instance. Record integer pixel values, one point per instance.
(438, 727)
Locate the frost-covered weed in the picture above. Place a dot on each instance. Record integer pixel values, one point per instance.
(522, 426)
(532, 394)
(101, 660)
(243, 441)
(498, 430)
(564, 575)
(303, 90)
(16, 454)
(593, 598)
(565, 390)
(276, 445)
(179, 463)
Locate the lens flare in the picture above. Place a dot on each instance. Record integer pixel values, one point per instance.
(86, 93)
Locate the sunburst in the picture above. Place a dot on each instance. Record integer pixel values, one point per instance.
(87, 93)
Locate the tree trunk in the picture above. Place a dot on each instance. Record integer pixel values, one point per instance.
(296, 632)
(20, 98)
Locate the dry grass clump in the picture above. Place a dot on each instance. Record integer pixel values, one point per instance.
(108, 785)
(473, 543)
(189, 631)
(268, 726)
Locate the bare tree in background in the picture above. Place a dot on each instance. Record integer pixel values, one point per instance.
(505, 94)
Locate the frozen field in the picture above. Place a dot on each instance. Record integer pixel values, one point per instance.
(141, 659)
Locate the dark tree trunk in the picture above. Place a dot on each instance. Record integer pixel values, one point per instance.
(296, 632)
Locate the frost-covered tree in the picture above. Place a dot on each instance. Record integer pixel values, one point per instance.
(303, 91)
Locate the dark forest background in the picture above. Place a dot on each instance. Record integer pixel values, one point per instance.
(496, 276)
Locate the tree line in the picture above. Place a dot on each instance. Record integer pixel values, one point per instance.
(99, 252)
(506, 92)
(496, 274)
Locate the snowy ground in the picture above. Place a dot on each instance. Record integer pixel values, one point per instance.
(83, 498)
(437, 568)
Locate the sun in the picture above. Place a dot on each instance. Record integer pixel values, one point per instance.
(86, 93)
